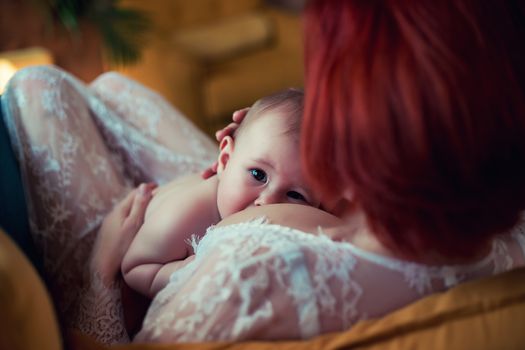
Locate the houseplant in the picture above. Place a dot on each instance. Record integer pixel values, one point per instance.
(123, 31)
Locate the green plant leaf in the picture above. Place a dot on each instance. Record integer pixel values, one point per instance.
(124, 33)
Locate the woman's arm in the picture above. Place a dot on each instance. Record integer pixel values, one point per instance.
(113, 239)
(180, 211)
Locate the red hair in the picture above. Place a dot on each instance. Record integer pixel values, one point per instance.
(419, 108)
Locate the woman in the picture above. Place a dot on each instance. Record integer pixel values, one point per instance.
(414, 135)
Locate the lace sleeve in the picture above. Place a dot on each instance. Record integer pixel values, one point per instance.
(210, 300)
(101, 314)
(253, 282)
(260, 281)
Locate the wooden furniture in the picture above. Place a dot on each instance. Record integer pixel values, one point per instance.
(211, 57)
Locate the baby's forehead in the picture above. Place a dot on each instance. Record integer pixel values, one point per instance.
(269, 123)
(279, 154)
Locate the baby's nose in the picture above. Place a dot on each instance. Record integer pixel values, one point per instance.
(267, 198)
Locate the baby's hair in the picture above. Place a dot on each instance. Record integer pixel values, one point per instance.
(289, 102)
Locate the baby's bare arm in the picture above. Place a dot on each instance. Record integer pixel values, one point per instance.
(180, 211)
(157, 275)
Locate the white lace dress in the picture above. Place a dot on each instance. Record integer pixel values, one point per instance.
(81, 148)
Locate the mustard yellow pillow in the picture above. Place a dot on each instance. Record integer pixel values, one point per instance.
(27, 318)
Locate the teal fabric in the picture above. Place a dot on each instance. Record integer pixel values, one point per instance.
(13, 209)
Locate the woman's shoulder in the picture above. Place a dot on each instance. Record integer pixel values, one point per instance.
(300, 217)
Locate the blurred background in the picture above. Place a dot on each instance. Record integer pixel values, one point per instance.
(206, 57)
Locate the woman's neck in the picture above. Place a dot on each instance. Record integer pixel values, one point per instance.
(436, 258)
(356, 231)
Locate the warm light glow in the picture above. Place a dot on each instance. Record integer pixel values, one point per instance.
(11, 61)
(7, 70)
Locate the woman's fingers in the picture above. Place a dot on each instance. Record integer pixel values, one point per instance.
(140, 202)
(228, 130)
(124, 206)
(209, 172)
(238, 116)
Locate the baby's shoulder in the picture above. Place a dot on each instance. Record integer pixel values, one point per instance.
(190, 194)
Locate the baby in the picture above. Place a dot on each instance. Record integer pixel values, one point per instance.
(259, 165)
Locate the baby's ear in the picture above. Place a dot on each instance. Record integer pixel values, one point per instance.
(226, 150)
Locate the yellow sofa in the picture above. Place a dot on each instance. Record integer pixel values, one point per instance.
(484, 314)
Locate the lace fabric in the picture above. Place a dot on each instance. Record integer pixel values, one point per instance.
(261, 281)
(100, 313)
(81, 148)
(80, 151)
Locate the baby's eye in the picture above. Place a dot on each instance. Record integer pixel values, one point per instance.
(296, 196)
(258, 175)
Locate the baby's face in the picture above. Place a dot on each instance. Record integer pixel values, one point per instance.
(263, 168)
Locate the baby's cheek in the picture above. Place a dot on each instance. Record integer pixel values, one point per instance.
(238, 202)
(228, 204)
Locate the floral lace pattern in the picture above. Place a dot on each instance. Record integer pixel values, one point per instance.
(256, 280)
(79, 155)
(100, 313)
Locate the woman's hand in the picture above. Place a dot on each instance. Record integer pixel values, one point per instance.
(117, 232)
(228, 130)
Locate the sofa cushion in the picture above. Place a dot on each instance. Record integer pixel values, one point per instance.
(27, 320)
